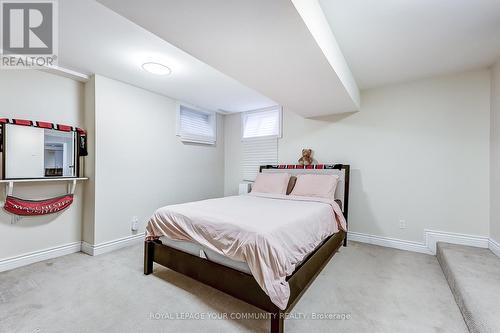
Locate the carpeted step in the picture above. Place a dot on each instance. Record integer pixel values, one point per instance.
(474, 278)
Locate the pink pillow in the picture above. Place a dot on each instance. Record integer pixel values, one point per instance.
(312, 185)
(276, 183)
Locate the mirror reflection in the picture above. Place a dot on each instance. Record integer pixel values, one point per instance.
(58, 153)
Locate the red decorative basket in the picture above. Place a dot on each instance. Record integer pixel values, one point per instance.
(37, 207)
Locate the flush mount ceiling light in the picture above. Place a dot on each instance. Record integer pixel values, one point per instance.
(156, 68)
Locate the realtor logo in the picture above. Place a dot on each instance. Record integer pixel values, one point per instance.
(29, 33)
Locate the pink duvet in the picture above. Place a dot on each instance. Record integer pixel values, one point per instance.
(271, 233)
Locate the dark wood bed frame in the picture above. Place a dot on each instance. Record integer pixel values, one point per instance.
(242, 285)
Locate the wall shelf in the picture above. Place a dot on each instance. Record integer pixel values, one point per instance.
(9, 183)
(32, 180)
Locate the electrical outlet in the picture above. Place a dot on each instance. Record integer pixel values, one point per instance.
(402, 224)
(135, 223)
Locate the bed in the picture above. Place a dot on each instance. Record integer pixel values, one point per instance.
(263, 249)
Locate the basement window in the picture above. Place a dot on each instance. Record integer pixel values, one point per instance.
(260, 132)
(196, 125)
(265, 123)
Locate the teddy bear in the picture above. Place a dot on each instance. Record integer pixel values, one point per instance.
(306, 158)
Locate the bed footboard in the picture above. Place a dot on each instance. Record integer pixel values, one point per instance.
(277, 322)
(241, 285)
(149, 247)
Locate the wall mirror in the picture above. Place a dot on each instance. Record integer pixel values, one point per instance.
(32, 152)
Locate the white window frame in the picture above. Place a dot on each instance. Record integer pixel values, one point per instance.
(193, 137)
(278, 108)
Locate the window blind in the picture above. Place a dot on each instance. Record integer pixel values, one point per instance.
(197, 126)
(257, 152)
(262, 123)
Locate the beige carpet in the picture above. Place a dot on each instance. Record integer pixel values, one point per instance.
(474, 278)
(364, 288)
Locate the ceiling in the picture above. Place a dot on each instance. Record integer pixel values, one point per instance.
(263, 44)
(389, 41)
(245, 55)
(94, 39)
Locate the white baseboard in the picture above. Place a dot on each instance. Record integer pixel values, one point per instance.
(494, 246)
(388, 242)
(36, 256)
(431, 237)
(57, 251)
(97, 249)
(429, 247)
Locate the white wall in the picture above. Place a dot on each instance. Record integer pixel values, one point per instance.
(233, 153)
(34, 95)
(418, 151)
(495, 153)
(140, 164)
